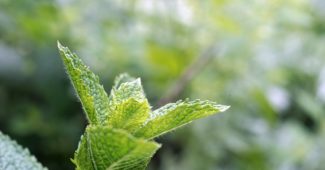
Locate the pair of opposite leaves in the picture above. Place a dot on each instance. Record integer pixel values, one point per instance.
(122, 126)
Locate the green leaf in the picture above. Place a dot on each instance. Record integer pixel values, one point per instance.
(122, 78)
(131, 88)
(174, 115)
(13, 156)
(129, 115)
(103, 147)
(129, 108)
(91, 94)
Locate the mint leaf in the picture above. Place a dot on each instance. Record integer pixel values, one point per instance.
(129, 108)
(13, 156)
(132, 88)
(174, 115)
(103, 147)
(91, 94)
(122, 78)
(129, 115)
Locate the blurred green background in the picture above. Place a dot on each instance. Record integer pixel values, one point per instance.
(265, 58)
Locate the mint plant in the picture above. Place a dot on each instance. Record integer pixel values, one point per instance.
(122, 127)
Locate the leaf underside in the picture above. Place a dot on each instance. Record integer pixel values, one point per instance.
(13, 156)
(122, 125)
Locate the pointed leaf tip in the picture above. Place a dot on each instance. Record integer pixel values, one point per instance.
(90, 92)
(58, 44)
(122, 78)
(61, 47)
(174, 115)
(223, 108)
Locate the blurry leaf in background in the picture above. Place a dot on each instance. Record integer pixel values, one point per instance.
(14, 156)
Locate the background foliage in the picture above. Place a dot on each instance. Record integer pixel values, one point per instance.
(265, 58)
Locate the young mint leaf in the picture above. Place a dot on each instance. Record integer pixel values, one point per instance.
(174, 115)
(129, 89)
(122, 78)
(91, 94)
(13, 156)
(129, 108)
(103, 147)
(129, 115)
